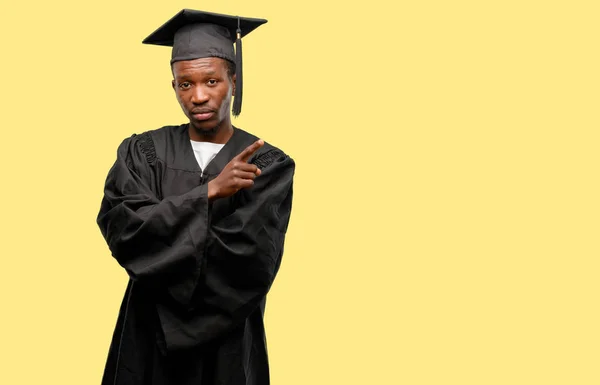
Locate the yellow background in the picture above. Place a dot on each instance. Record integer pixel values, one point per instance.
(446, 217)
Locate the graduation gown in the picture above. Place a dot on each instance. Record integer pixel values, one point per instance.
(199, 271)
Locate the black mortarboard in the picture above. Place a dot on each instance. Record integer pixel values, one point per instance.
(197, 34)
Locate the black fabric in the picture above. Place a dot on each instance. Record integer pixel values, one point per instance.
(165, 34)
(265, 159)
(196, 34)
(199, 272)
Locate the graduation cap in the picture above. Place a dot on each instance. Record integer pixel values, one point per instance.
(197, 34)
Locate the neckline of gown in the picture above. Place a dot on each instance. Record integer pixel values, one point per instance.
(220, 160)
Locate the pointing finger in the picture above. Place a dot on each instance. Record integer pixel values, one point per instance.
(251, 149)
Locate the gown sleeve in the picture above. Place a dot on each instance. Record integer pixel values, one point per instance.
(156, 241)
(243, 256)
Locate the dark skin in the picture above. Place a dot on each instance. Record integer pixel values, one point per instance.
(204, 90)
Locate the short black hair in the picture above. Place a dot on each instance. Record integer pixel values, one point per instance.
(230, 68)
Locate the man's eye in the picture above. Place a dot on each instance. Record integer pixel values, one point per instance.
(184, 85)
(212, 82)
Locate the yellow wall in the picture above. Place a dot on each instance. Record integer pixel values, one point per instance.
(446, 217)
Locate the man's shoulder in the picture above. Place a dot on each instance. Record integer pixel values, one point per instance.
(152, 141)
(156, 134)
(267, 154)
(267, 148)
(162, 133)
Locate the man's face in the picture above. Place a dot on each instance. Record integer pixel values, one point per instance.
(204, 91)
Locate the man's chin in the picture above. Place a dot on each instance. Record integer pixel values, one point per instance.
(205, 128)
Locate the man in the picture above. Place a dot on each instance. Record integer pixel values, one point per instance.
(197, 215)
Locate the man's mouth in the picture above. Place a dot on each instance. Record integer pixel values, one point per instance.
(202, 114)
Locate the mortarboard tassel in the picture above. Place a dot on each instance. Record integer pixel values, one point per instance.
(237, 101)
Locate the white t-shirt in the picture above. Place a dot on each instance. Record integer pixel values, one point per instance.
(205, 152)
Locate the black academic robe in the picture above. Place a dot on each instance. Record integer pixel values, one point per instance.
(199, 271)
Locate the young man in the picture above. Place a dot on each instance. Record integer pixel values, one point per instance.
(197, 215)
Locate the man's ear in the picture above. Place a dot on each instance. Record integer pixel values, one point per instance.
(173, 83)
(233, 88)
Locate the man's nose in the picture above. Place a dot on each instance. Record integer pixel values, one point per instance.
(199, 95)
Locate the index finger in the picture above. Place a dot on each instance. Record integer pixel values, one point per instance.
(251, 149)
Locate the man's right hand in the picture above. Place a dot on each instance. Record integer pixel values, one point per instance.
(236, 175)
